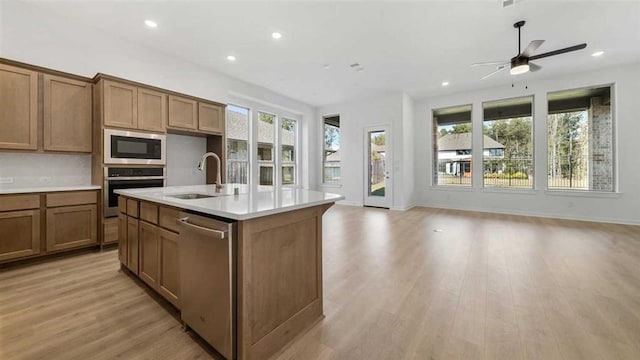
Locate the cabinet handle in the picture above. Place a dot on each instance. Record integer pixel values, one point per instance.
(202, 229)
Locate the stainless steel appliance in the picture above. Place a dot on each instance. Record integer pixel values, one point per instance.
(129, 147)
(128, 178)
(207, 250)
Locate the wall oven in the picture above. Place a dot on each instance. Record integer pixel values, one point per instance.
(129, 147)
(128, 178)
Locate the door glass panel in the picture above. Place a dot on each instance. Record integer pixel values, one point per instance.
(377, 166)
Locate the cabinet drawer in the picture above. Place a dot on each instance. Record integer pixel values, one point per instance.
(149, 212)
(19, 202)
(132, 207)
(72, 198)
(122, 204)
(167, 218)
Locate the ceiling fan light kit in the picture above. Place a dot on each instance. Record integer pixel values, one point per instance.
(520, 64)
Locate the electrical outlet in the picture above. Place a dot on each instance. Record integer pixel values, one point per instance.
(6, 180)
(45, 179)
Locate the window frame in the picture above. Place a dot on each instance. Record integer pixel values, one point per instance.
(249, 143)
(296, 153)
(435, 165)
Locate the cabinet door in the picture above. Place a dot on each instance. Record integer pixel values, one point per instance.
(123, 245)
(152, 110)
(132, 244)
(18, 108)
(183, 113)
(20, 234)
(71, 226)
(169, 269)
(149, 239)
(210, 118)
(120, 105)
(67, 114)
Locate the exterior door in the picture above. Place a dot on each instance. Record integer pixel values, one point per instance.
(377, 172)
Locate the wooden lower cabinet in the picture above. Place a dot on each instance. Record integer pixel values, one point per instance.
(20, 234)
(123, 244)
(168, 267)
(132, 244)
(149, 239)
(71, 226)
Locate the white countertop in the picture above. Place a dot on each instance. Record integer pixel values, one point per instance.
(266, 200)
(42, 189)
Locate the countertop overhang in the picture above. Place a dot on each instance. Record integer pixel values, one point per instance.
(248, 204)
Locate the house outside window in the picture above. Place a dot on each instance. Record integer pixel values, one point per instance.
(266, 141)
(580, 140)
(331, 150)
(452, 152)
(237, 134)
(288, 131)
(508, 143)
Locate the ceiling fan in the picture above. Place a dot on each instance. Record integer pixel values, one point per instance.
(521, 63)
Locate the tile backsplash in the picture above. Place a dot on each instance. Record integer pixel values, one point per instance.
(23, 170)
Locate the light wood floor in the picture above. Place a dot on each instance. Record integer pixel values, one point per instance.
(485, 286)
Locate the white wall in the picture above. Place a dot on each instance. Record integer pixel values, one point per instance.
(408, 155)
(44, 170)
(623, 207)
(29, 35)
(183, 155)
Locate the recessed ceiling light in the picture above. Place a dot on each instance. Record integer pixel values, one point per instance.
(151, 23)
(276, 35)
(231, 58)
(445, 83)
(597, 53)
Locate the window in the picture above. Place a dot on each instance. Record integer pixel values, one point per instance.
(508, 143)
(237, 133)
(331, 150)
(580, 139)
(288, 150)
(452, 150)
(266, 132)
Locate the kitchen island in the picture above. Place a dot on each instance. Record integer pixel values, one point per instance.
(274, 266)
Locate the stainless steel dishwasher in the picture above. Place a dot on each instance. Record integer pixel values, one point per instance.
(206, 248)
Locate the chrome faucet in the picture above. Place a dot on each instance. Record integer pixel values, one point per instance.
(201, 167)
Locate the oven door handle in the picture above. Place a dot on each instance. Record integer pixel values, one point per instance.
(135, 178)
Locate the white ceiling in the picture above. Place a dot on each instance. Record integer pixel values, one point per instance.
(403, 46)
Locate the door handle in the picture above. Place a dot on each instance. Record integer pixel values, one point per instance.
(201, 229)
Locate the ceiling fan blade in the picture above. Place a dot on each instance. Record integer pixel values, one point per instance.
(490, 63)
(558, 52)
(500, 68)
(534, 67)
(531, 48)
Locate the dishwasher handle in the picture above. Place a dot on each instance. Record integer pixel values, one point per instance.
(203, 230)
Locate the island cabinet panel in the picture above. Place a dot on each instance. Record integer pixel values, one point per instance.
(110, 231)
(132, 207)
(280, 275)
(210, 118)
(183, 113)
(152, 110)
(120, 105)
(149, 212)
(20, 234)
(132, 244)
(169, 269)
(168, 218)
(71, 226)
(18, 108)
(149, 247)
(123, 244)
(67, 114)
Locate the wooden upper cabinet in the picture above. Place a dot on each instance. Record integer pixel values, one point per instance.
(152, 110)
(18, 108)
(210, 118)
(120, 105)
(183, 113)
(67, 114)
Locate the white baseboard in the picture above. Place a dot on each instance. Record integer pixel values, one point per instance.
(533, 213)
(403, 208)
(349, 203)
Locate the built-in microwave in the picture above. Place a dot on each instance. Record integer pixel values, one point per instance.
(129, 147)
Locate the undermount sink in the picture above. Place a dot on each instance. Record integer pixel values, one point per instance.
(191, 196)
